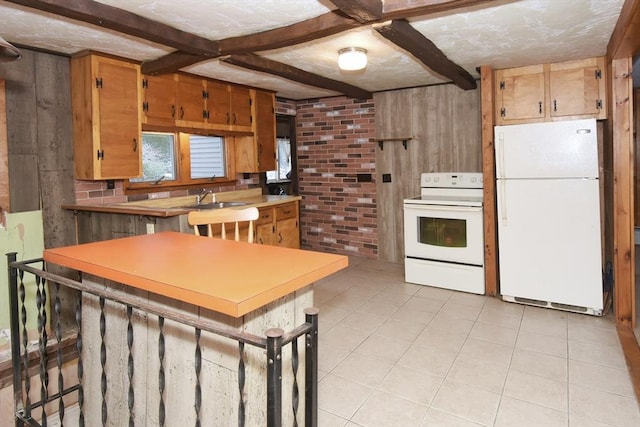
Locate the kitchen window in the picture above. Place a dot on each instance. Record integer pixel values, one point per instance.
(283, 162)
(171, 159)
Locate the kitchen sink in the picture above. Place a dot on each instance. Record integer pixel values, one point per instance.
(215, 205)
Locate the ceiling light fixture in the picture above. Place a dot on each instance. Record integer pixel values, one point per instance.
(352, 58)
(8, 52)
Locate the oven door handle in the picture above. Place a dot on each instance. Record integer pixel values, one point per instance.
(502, 197)
(447, 208)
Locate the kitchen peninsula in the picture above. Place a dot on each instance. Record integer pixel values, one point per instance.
(246, 287)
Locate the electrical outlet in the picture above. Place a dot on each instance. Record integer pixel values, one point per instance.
(386, 177)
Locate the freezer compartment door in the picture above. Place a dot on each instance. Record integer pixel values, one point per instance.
(549, 240)
(565, 149)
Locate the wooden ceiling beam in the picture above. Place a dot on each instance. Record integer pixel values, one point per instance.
(408, 38)
(112, 18)
(258, 63)
(362, 11)
(300, 32)
(399, 9)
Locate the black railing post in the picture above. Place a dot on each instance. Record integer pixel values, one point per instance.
(311, 369)
(15, 335)
(274, 377)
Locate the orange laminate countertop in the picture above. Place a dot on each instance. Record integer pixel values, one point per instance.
(229, 277)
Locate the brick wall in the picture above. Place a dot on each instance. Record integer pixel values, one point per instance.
(335, 143)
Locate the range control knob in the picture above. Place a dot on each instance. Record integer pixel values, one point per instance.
(436, 179)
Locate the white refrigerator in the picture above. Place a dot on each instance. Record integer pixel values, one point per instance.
(548, 201)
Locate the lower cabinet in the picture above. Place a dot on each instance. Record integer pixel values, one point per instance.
(279, 225)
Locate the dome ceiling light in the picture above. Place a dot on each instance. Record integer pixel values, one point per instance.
(352, 58)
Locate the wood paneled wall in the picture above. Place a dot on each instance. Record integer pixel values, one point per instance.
(443, 124)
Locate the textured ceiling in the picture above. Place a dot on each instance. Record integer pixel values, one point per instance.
(507, 33)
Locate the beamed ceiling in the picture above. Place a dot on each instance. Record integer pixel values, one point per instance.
(291, 46)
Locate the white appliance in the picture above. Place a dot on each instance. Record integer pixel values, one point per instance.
(444, 234)
(549, 240)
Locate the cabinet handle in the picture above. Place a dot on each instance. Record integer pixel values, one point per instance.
(228, 118)
(181, 113)
(235, 118)
(540, 107)
(173, 111)
(279, 237)
(135, 145)
(260, 240)
(555, 105)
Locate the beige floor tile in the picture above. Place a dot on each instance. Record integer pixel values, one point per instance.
(390, 349)
(600, 406)
(494, 334)
(411, 384)
(434, 293)
(363, 322)
(498, 354)
(484, 374)
(436, 418)
(363, 369)
(470, 300)
(504, 319)
(455, 310)
(544, 313)
(385, 410)
(517, 413)
(504, 306)
(377, 308)
(330, 357)
(582, 421)
(552, 326)
(538, 390)
(437, 338)
(341, 337)
(327, 419)
(406, 314)
(597, 354)
(604, 378)
(340, 396)
(540, 364)
(443, 322)
(393, 298)
(542, 343)
(467, 402)
(605, 322)
(331, 315)
(429, 305)
(431, 360)
(403, 330)
(578, 332)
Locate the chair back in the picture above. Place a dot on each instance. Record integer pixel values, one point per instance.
(224, 216)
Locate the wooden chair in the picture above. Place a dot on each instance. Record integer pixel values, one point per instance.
(210, 217)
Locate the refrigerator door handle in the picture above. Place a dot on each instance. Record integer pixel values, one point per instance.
(500, 155)
(503, 201)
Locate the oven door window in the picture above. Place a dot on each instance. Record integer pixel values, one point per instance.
(445, 232)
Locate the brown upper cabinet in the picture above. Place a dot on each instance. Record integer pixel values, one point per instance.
(257, 153)
(547, 92)
(105, 97)
(159, 106)
(229, 106)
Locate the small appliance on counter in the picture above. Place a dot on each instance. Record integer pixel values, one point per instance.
(444, 233)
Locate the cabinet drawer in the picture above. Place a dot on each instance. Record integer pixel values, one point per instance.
(286, 211)
(266, 216)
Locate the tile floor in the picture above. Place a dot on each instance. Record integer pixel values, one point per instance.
(397, 354)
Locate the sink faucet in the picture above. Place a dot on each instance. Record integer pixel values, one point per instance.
(203, 194)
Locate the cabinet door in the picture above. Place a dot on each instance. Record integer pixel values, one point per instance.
(240, 103)
(575, 92)
(119, 120)
(520, 95)
(190, 99)
(218, 103)
(265, 130)
(159, 105)
(265, 228)
(287, 228)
